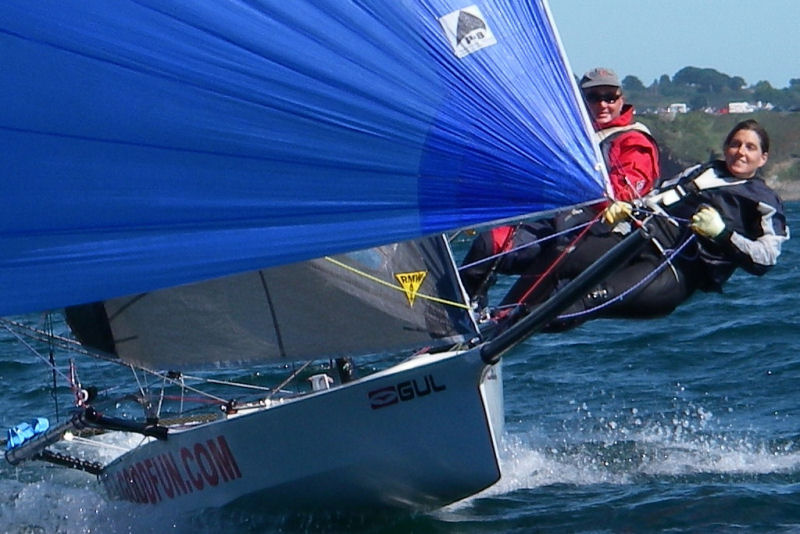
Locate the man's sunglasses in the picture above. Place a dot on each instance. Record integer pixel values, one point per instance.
(594, 98)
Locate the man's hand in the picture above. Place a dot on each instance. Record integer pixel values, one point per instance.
(707, 222)
(617, 212)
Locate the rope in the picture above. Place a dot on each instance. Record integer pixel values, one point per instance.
(526, 245)
(559, 259)
(396, 287)
(646, 279)
(643, 281)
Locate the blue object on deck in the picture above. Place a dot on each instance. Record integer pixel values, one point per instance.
(19, 434)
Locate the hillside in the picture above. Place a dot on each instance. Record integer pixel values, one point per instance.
(694, 137)
(709, 89)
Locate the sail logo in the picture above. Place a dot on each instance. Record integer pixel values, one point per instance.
(467, 31)
(404, 391)
(411, 282)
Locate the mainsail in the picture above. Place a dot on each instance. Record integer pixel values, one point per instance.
(152, 143)
(377, 300)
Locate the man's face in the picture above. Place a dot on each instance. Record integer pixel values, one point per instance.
(604, 102)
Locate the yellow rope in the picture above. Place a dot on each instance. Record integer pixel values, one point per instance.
(396, 287)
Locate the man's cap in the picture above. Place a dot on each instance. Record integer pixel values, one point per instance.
(599, 76)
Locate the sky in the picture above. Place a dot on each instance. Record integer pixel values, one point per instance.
(758, 40)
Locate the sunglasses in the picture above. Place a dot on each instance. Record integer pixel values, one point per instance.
(594, 98)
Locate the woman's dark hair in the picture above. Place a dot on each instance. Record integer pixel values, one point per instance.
(750, 124)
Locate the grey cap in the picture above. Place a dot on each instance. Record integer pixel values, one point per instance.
(599, 76)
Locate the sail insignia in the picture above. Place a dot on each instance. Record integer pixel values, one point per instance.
(411, 282)
(467, 31)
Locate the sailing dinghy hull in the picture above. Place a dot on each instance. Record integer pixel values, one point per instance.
(417, 436)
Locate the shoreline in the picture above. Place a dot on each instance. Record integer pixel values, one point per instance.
(788, 191)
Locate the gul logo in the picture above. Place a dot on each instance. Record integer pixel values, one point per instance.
(411, 282)
(467, 31)
(407, 390)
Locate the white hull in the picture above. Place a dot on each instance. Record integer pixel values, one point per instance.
(419, 435)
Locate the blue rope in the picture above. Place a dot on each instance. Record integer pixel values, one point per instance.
(523, 247)
(641, 282)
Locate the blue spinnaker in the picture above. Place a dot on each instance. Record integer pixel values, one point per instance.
(151, 143)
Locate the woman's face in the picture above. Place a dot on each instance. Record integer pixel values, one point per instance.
(743, 154)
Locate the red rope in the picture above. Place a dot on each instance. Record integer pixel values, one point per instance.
(559, 259)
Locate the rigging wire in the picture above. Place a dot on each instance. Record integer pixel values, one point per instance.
(526, 245)
(21, 339)
(51, 348)
(21, 332)
(227, 383)
(496, 263)
(559, 259)
(289, 379)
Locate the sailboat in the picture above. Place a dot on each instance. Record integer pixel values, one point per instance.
(217, 185)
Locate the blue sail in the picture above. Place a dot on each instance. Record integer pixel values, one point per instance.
(151, 143)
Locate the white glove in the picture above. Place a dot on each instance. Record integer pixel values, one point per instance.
(707, 222)
(617, 212)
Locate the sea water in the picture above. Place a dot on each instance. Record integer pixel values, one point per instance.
(688, 423)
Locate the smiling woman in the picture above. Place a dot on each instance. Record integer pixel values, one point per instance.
(746, 149)
(706, 223)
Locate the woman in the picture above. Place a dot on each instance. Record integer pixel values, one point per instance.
(718, 217)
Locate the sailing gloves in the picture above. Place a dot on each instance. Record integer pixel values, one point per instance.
(617, 212)
(707, 222)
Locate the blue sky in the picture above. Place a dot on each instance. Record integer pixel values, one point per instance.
(755, 39)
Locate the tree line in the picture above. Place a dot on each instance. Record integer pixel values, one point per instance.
(702, 88)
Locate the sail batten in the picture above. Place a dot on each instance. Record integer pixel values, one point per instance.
(154, 143)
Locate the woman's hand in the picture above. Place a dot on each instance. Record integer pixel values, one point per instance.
(707, 222)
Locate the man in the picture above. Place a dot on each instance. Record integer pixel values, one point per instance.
(631, 157)
(629, 151)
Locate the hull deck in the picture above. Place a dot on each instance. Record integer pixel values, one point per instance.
(417, 436)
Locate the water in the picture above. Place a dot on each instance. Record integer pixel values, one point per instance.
(685, 424)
